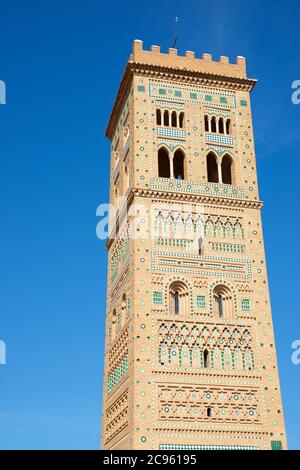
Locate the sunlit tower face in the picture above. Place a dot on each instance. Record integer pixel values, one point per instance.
(190, 359)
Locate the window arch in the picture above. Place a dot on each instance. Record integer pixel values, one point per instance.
(223, 302)
(174, 119)
(226, 168)
(212, 168)
(221, 126)
(158, 117)
(206, 123)
(213, 124)
(166, 118)
(228, 126)
(178, 165)
(181, 119)
(179, 297)
(163, 163)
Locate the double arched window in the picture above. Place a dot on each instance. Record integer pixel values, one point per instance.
(171, 165)
(219, 172)
(219, 125)
(169, 118)
(179, 298)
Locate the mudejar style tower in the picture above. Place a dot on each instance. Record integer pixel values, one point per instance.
(190, 359)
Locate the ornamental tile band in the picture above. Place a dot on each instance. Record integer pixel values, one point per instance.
(190, 359)
(210, 189)
(192, 95)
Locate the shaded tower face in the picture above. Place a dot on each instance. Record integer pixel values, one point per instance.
(190, 356)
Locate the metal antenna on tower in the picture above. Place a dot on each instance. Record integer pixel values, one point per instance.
(175, 32)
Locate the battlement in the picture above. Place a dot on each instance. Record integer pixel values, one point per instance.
(205, 64)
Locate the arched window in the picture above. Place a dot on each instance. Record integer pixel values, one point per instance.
(181, 120)
(179, 296)
(176, 302)
(174, 119)
(166, 118)
(206, 358)
(206, 124)
(219, 301)
(213, 124)
(221, 126)
(228, 126)
(212, 168)
(163, 163)
(208, 412)
(200, 246)
(178, 165)
(158, 117)
(223, 305)
(226, 169)
(237, 230)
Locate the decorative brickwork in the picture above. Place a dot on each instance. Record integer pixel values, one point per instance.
(117, 417)
(190, 360)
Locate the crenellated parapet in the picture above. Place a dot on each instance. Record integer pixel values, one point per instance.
(172, 67)
(205, 64)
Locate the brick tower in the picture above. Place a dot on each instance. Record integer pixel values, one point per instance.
(190, 360)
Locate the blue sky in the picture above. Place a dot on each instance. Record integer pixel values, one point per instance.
(62, 61)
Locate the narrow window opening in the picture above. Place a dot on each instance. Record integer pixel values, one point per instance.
(176, 303)
(228, 127)
(163, 163)
(219, 301)
(212, 168)
(213, 124)
(158, 117)
(226, 169)
(178, 165)
(181, 120)
(166, 118)
(174, 119)
(206, 123)
(200, 246)
(221, 126)
(206, 359)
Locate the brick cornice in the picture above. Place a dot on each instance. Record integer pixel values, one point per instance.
(204, 199)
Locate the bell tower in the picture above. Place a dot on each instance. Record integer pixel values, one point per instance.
(190, 359)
